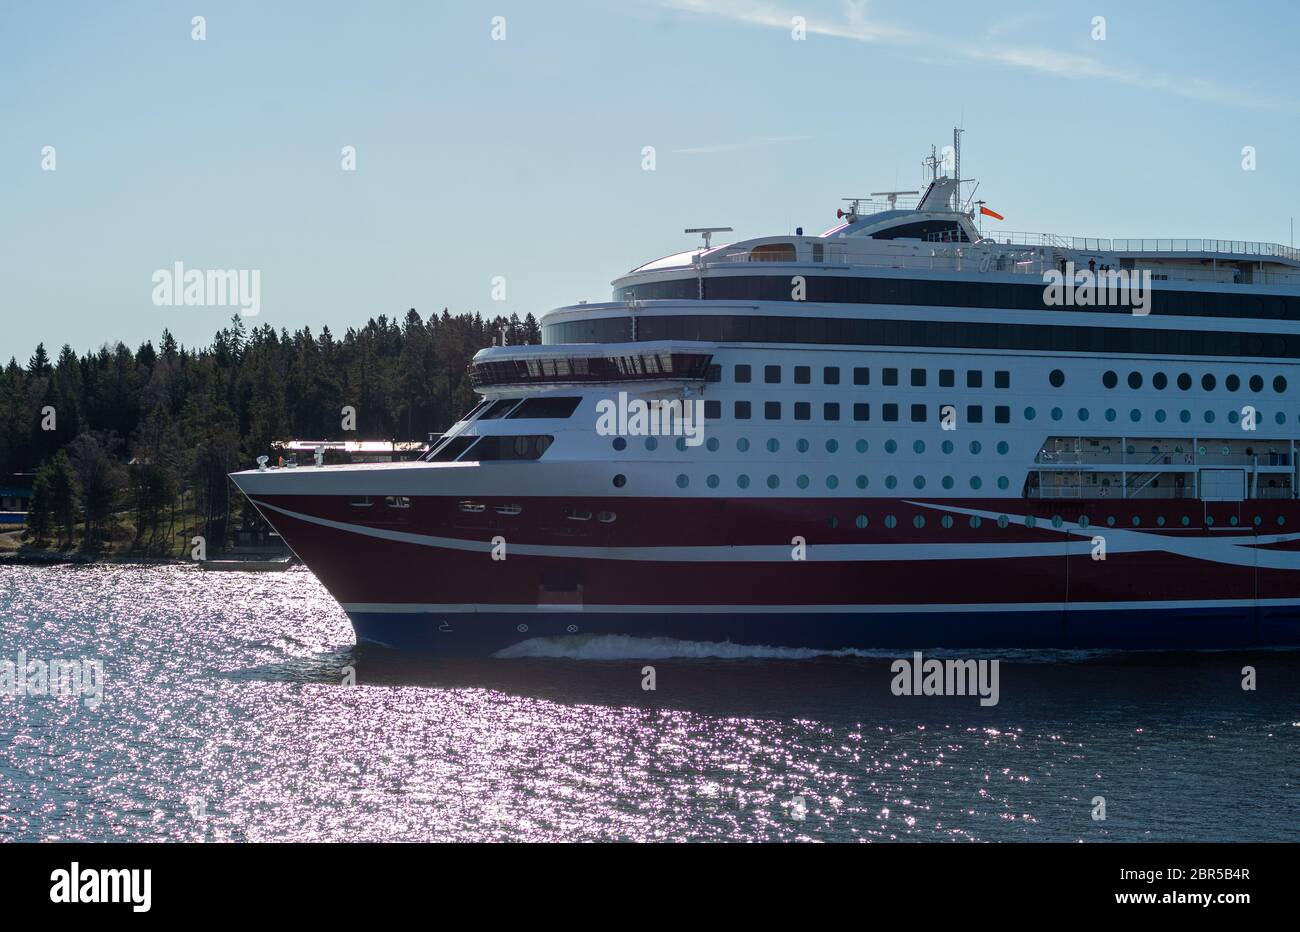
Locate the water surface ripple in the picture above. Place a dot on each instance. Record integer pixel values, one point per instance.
(226, 717)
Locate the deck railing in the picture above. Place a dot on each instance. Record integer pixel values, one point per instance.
(989, 261)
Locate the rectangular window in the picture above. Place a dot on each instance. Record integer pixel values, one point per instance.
(712, 410)
(1001, 379)
(831, 411)
(889, 412)
(802, 375)
(713, 373)
(918, 378)
(545, 407)
(802, 411)
(742, 410)
(861, 412)
(1002, 414)
(499, 409)
(742, 374)
(772, 375)
(831, 375)
(397, 501)
(946, 378)
(772, 410)
(889, 377)
(974, 378)
(918, 414)
(974, 414)
(451, 449)
(530, 447)
(861, 375)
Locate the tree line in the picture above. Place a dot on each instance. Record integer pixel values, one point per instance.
(129, 447)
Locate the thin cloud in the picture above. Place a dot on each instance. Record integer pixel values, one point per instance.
(855, 25)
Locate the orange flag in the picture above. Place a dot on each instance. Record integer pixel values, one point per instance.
(989, 213)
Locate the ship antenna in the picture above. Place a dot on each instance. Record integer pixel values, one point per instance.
(707, 233)
(956, 166)
(932, 162)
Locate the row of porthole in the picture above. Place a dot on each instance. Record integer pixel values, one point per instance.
(773, 445)
(1057, 521)
(832, 446)
(1135, 415)
(833, 482)
(1160, 381)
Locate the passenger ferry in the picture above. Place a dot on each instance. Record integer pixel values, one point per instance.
(914, 435)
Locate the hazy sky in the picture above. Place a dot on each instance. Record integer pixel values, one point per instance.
(522, 158)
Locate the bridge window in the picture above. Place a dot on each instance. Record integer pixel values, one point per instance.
(499, 409)
(523, 447)
(772, 252)
(546, 407)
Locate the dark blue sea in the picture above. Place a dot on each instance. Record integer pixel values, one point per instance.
(225, 711)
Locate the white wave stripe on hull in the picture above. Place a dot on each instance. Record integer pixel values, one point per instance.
(1228, 551)
(413, 608)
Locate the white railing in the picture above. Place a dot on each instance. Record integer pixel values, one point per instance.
(1234, 247)
(1112, 492)
(993, 261)
(1229, 247)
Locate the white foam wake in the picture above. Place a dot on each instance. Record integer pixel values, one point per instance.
(626, 647)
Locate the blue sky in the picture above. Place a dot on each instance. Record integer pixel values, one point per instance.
(522, 158)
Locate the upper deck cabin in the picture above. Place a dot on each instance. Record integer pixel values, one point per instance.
(934, 234)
